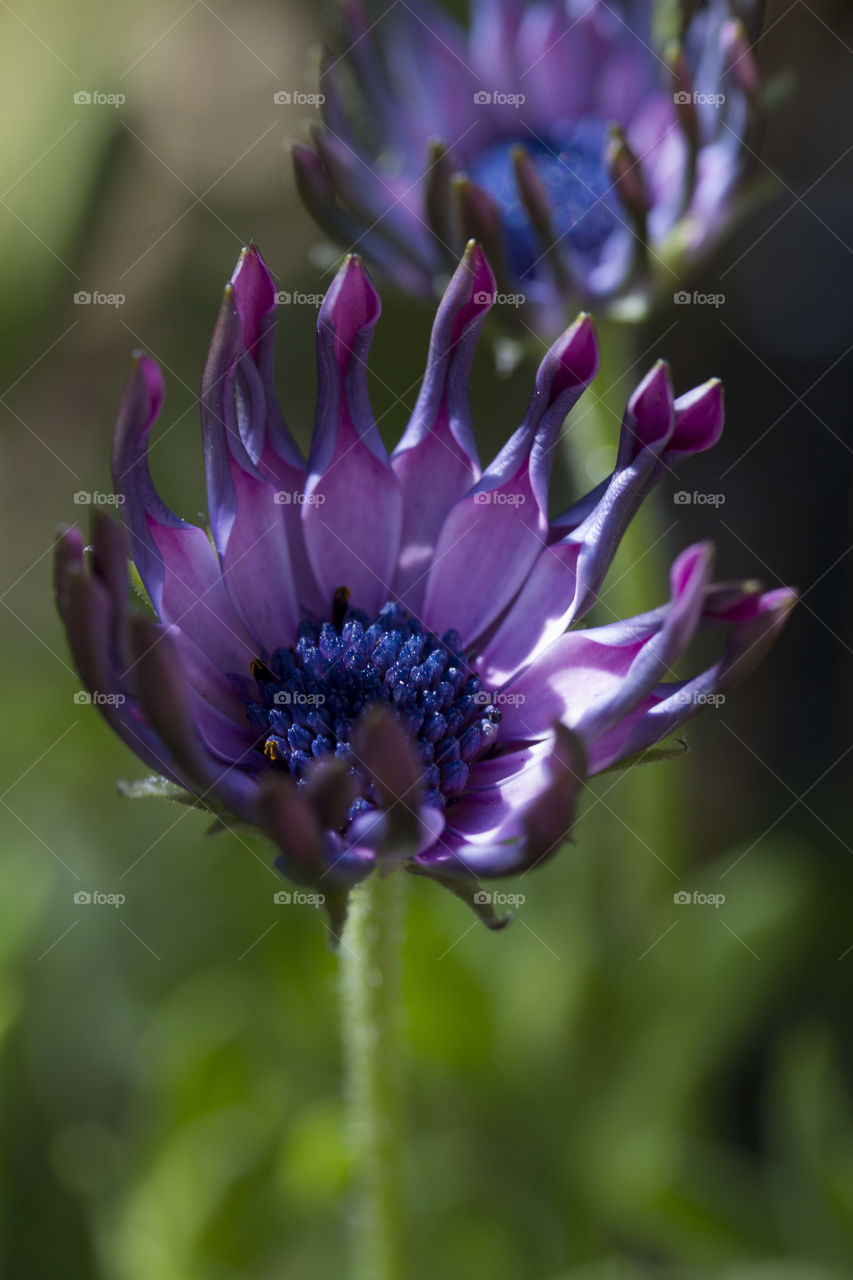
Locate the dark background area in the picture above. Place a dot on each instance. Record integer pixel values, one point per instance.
(615, 1086)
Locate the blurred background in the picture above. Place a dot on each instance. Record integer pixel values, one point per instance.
(615, 1087)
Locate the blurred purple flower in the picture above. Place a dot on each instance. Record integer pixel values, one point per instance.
(590, 165)
(368, 657)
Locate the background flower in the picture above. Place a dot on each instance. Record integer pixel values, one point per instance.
(590, 161)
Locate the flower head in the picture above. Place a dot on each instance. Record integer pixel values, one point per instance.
(373, 658)
(589, 163)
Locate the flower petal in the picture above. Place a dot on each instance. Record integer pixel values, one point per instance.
(176, 562)
(591, 679)
(499, 528)
(657, 432)
(166, 699)
(758, 621)
(352, 513)
(436, 459)
(255, 476)
(514, 827)
(309, 855)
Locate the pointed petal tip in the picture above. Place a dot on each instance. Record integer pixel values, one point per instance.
(692, 567)
(651, 407)
(352, 302)
(253, 291)
(780, 600)
(700, 416)
(475, 265)
(145, 374)
(577, 353)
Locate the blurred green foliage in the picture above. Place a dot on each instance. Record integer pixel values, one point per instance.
(618, 1087)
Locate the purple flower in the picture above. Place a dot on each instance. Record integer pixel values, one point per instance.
(589, 164)
(377, 659)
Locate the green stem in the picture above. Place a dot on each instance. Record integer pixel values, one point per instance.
(372, 1035)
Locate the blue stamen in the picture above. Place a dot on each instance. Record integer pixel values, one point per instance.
(310, 697)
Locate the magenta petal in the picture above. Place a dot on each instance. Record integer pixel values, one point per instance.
(308, 854)
(169, 705)
(671, 704)
(699, 419)
(649, 416)
(563, 583)
(436, 459)
(534, 809)
(499, 528)
(176, 562)
(654, 662)
(590, 679)
(87, 611)
(254, 474)
(352, 513)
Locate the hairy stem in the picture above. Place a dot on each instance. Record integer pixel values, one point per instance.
(372, 1036)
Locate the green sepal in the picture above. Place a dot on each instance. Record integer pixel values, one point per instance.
(468, 891)
(653, 755)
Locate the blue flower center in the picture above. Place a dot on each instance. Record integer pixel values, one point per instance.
(583, 203)
(310, 697)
